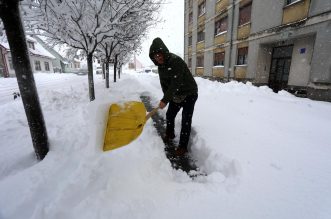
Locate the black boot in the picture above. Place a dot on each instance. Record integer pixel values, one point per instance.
(169, 136)
(181, 151)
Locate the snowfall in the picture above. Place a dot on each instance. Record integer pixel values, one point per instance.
(266, 155)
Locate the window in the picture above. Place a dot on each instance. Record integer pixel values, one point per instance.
(190, 41)
(201, 35)
(10, 61)
(221, 25)
(30, 45)
(291, 1)
(200, 60)
(37, 65)
(202, 8)
(190, 17)
(77, 65)
(242, 56)
(46, 66)
(219, 58)
(245, 14)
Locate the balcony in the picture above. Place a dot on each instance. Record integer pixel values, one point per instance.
(218, 71)
(200, 46)
(221, 5)
(220, 38)
(199, 71)
(296, 11)
(240, 71)
(201, 19)
(244, 31)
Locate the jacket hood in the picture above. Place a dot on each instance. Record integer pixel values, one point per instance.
(158, 46)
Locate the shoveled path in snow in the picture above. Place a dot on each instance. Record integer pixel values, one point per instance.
(185, 163)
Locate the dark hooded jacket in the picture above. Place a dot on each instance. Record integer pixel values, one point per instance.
(176, 79)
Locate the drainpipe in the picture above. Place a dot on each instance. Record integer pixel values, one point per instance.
(231, 40)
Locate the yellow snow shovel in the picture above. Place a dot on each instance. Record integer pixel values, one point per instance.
(125, 123)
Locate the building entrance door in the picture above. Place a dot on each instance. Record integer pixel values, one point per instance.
(280, 67)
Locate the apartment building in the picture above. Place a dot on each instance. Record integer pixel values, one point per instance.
(285, 44)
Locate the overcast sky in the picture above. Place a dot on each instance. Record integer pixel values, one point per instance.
(171, 31)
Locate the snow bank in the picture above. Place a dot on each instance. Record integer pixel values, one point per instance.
(266, 155)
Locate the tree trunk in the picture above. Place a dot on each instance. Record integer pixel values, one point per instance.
(10, 15)
(115, 67)
(90, 76)
(103, 71)
(119, 71)
(107, 74)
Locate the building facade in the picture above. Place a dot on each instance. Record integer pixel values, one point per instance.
(41, 60)
(285, 44)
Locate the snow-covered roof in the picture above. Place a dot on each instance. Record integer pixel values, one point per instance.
(38, 50)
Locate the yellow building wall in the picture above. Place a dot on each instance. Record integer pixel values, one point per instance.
(244, 31)
(201, 46)
(240, 72)
(244, 2)
(220, 39)
(218, 72)
(296, 12)
(221, 5)
(199, 71)
(201, 19)
(242, 44)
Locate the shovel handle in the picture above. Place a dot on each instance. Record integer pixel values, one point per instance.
(151, 113)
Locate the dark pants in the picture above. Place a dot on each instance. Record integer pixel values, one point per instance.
(188, 107)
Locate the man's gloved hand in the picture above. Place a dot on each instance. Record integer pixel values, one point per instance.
(162, 104)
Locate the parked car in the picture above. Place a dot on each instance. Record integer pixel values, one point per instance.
(81, 73)
(99, 70)
(147, 70)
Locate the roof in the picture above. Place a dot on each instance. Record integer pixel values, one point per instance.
(51, 49)
(38, 51)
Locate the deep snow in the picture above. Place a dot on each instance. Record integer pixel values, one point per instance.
(267, 155)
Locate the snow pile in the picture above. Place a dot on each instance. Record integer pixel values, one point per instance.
(266, 155)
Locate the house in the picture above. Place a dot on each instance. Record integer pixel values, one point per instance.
(282, 44)
(62, 64)
(135, 64)
(40, 58)
(59, 63)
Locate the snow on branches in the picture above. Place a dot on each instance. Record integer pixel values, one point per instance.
(85, 24)
(88, 25)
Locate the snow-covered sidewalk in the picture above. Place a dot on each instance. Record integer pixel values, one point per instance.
(266, 155)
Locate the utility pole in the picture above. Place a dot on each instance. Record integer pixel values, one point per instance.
(10, 15)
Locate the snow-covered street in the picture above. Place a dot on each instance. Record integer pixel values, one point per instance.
(267, 155)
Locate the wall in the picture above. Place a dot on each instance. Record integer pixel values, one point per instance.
(300, 63)
(321, 61)
(42, 64)
(319, 6)
(266, 14)
(10, 71)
